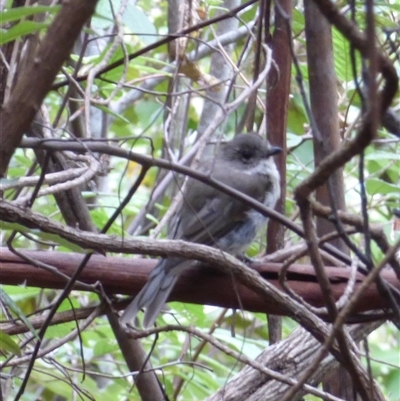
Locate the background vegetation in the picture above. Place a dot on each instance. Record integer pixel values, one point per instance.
(160, 79)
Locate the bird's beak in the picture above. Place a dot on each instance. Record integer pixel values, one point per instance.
(274, 150)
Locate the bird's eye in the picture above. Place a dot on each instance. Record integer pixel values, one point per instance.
(246, 154)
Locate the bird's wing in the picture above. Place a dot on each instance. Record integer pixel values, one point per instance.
(207, 218)
(211, 222)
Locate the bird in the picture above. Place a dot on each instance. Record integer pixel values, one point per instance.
(210, 217)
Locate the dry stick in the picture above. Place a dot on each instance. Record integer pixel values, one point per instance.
(70, 285)
(348, 308)
(356, 221)
(302, 280)
(118, 40)
(126, 375)
(240, 357)
(339, 158)
(13, 328)
(73, 334)
(197, 351)
(123, 103)
(85, 176)
(169, 38)
(294, 256)
(348, 360)
(302, 199)
(49, 179)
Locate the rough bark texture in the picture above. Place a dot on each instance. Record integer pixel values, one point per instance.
(290, 357)
(149, 387)
(35, 80)
(323, 96)
(277, 108)
(278, 85)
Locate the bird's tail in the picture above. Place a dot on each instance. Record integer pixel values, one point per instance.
(154, 294)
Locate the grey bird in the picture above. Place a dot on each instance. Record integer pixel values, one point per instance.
(210, 217)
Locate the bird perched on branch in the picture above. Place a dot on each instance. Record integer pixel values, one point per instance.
(213, 218)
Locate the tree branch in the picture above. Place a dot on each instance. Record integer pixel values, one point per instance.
(35, 80)
(200, 286)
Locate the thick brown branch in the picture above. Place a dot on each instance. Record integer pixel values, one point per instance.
(290, 357)
(201, 286)
(365, 134)
(36, 78)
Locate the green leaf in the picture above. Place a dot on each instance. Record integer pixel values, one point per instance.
(392, 383)
(304, 154)
(152, 218)
(15, 14)
(375, 186)
(343, 66)
(297, 117)
(21, 29)
(20, 293)
(15, 308)
(7, 344)
(298, 22)
(293, 140)
(108, 111)
(134, 19)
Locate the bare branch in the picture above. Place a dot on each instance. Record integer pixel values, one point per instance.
(36, 78)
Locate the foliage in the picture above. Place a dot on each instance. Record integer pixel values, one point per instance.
(131, 102)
